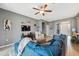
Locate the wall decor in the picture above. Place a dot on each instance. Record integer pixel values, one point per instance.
(25, 28)
(7, 24)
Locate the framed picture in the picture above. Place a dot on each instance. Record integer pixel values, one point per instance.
(7, 24)
(25, 28)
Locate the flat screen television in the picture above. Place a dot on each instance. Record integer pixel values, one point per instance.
(25, 28)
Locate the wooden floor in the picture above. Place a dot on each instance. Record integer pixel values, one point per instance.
(72, 49)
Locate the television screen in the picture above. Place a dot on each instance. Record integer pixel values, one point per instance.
(25, 28)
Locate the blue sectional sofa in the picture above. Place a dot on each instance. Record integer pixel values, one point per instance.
(55, 48)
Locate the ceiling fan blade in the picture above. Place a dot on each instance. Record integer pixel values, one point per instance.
(48, 10)
(36, 8)
(45, 6)
(37, 13)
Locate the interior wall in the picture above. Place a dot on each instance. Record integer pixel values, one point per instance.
(53, 25)
(15, 33)
(77, 23)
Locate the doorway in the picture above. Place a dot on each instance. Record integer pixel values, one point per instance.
(43, 28)
(65, 28)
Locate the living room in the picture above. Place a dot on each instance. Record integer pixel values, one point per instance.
(44, 20)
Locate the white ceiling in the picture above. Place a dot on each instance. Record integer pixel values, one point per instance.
(60, 10)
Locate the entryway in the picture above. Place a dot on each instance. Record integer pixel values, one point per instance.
(65, 28)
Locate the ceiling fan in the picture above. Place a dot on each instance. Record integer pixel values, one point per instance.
(42, 9)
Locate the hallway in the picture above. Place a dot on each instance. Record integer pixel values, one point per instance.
(72, 49)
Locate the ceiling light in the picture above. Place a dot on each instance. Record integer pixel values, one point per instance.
(41, 12)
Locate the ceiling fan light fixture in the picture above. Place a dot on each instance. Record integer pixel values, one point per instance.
(41, 12)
